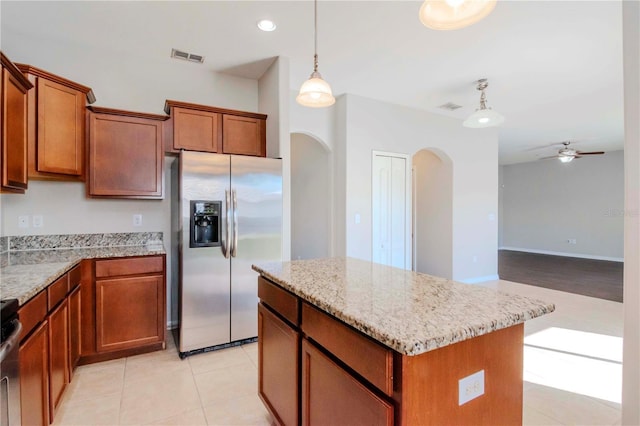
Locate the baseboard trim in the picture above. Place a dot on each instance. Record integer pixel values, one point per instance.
(559, 253)
(477, 280)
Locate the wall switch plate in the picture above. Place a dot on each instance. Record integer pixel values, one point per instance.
(38, 221)
(571, 241)
(470, 387)
(357, 218)
(23, 221)
(137, 220)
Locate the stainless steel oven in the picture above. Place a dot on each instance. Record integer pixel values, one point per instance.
(9, 368)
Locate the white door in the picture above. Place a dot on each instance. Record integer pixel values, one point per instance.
(391, 204)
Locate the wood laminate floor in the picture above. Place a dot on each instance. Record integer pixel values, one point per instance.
(595, 278)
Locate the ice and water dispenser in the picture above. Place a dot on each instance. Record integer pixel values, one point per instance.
(205, 223)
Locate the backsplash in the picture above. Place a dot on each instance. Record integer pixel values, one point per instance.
(69, 241)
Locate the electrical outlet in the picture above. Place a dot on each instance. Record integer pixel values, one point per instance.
(470, 387)
(38, 221)
(23, 221)
(137, 220)
(571, 241)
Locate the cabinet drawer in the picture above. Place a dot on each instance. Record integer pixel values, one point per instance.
(75, 276)
(57, 291)
(332, 396)
(129, 266)
(370, 359)
(32, 313)
(283, 302)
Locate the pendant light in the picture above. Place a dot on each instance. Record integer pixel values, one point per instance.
(454, 14)
(315, 92)
(484, 116)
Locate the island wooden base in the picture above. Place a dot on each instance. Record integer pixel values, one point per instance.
(426, 385)
(316, 370)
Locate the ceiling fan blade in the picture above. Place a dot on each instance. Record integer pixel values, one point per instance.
(547, 158)
(590, 153)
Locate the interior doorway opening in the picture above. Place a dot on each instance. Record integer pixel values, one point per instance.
(433, 213)
(311, 205)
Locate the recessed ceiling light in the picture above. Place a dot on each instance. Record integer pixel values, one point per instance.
(266, 25)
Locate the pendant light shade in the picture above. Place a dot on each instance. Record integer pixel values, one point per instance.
(484, 116)
(454, 14)
(315, 92)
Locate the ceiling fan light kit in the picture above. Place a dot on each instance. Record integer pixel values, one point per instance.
(483, 116)
(454, 14)
(567, 154)
(315, 92)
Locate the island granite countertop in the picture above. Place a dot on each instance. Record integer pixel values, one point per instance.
(26, 271)
(409, 312)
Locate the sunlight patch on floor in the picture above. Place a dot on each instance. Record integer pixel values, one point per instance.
(575, 361)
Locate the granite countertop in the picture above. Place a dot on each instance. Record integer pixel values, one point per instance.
(409, 312)
(24, 273)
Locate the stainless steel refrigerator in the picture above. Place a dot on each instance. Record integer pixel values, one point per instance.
(229, 215)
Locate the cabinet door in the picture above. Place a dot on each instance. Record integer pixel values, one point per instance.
(74, 329)
(14, 134)
(243, 135)
(126, 157)
(129, 312)
(332, 396)
(34, 377)
(58, 355)
(60, 147)
(278, 366)
(195, 130)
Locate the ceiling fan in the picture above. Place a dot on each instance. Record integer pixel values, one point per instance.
(567, 154)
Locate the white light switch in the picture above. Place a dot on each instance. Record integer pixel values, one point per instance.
(470, 387)
(137, 220)
(357, 218)
(38, 222)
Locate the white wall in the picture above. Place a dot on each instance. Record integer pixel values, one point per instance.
(433, 204)
(545, 203)
(273, 100)
(631, 354)
(310, 198)
(373, 125)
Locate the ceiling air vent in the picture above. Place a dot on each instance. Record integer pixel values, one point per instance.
(450, 106)
(191, 57)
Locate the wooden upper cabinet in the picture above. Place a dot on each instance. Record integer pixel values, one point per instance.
(243, 135)
(209, 129)
(196, 130)
(56, 126)
(13, 158)
(126, 154)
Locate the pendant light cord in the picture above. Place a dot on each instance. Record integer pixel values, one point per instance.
(315, 35)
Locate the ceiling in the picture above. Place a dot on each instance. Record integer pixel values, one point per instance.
(554, 67)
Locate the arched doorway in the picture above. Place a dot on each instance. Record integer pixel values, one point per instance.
(433, 213)
(311, 204)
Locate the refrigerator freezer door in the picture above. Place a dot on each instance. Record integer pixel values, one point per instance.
(205, 292)
(257, 183)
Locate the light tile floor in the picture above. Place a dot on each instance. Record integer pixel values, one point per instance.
(572, 375)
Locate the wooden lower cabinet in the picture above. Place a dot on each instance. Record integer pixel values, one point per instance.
(34, 377)
(129, 312)
(278, 366)
(332, 396)
(75, 319)
(58, 355)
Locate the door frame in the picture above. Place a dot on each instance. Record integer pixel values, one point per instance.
(408, 231)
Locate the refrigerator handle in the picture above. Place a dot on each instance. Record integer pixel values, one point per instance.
(227, 242)
(234, 246)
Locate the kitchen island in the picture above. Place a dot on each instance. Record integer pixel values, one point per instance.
(345, 341)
